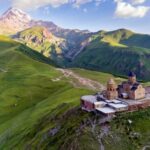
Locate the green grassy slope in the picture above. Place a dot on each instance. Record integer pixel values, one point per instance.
(27, 94)
(97, 76)
(133, 135)
(41, 40)
(138, 40)
(108, 53)
(38, 113)
(124, 37)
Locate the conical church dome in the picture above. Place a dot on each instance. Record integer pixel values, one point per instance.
(111, 81)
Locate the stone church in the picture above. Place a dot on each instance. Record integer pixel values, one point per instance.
(130, 89)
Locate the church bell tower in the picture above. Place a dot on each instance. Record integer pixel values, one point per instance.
(111, 92)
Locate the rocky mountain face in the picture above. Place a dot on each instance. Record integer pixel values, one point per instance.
(75, 39)
(41, 40)
(15, 20)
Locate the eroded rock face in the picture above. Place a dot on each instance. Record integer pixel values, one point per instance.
(41, 39)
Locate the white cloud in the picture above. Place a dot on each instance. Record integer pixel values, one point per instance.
(117, 1)
(124, 9)
(138, 1)
(29, 4)
(127, 10)
(80, 2)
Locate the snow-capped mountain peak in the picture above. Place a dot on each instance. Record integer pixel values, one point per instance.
(14, 20)
(15, 13)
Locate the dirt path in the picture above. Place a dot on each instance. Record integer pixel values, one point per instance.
(3, 70)
(77, 80)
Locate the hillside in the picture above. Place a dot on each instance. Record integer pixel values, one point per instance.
(41, 40)
(126, 37)
(39, 107)
(28, 93)
(117, 52)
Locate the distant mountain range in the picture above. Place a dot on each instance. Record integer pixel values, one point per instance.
(15, 20)
(116, 51)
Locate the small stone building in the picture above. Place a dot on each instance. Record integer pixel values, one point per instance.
(87, 102)
(90, 103)
(131, 89)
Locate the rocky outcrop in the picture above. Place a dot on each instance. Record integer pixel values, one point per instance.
(40, 39)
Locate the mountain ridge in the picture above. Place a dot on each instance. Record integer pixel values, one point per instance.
(116, 52)
(100, 50)
(41, 40)
(74, 37)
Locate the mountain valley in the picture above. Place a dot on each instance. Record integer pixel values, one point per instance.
(76, 48)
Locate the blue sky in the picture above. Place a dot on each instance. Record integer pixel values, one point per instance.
(93, 15)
